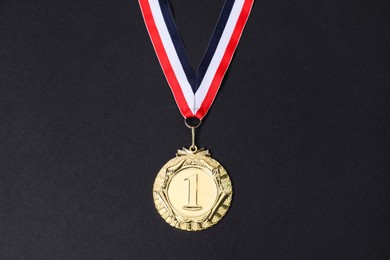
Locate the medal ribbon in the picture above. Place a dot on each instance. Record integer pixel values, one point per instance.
(194, 91)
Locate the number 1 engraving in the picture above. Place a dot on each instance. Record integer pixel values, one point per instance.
(192, 196)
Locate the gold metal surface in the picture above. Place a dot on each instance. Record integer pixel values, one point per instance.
(192, 191)
(193, 147)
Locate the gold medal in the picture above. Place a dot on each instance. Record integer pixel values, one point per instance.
(192, 191)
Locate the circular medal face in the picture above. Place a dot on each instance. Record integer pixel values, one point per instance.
(192, 191)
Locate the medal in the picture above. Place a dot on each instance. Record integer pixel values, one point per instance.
(193, 191)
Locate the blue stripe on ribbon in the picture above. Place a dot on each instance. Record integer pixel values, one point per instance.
(216, 36)
(177, 42)
(195, 78)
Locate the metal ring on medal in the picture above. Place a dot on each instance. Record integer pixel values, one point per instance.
(192, 191)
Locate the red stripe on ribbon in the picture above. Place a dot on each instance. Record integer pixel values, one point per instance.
(225, 62)
(164, 61)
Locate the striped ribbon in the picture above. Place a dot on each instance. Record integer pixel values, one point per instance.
(195, 91)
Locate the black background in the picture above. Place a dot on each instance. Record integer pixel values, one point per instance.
(300, 123)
